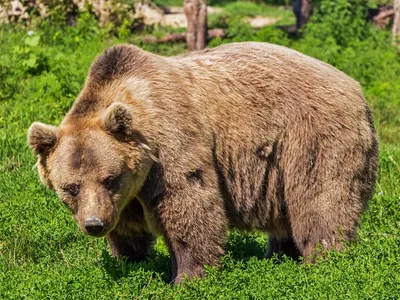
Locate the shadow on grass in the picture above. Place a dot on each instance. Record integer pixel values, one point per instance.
(157, 263)
(241, 246)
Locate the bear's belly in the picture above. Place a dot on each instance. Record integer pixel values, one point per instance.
(252, 187)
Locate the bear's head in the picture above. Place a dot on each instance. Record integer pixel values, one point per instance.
(96, 166)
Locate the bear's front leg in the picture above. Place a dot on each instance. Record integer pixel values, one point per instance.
(134, 246)
(130, 238)
(195, 228)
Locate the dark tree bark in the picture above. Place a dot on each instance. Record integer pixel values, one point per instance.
(196, 13)
(303, 11)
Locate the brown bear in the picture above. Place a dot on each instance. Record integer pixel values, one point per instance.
(245, 135)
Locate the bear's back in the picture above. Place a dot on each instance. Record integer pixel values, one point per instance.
(250, 86)
(282, 70)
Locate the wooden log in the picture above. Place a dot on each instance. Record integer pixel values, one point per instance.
(382, 16)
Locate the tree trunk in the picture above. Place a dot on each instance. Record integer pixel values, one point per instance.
(396, 24)
(196, 13)
(303, 11)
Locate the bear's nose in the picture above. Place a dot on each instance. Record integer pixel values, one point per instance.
(94, 225)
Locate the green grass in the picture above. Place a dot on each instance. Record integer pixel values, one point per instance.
(221, 3)
(284, 15)
(43, 255)
(241, 9)
(251, 9)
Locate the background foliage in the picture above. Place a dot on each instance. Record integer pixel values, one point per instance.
(44, 256)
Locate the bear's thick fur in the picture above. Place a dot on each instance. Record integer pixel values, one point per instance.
(248, 135)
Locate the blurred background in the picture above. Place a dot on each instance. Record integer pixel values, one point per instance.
(357, 36)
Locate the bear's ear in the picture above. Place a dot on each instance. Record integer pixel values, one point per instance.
(117, 120)
(42, 138)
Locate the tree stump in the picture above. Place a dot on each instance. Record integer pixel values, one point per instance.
(303, 11)
(196, 13)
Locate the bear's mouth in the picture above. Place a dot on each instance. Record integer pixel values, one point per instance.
(98, 235)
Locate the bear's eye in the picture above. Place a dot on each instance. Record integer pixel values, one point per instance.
(72, 189)
(110, 183)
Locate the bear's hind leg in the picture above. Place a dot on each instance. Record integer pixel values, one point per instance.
(282, 247)
(324, 216)
(314, 233)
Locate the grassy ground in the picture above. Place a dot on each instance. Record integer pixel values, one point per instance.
(281, 14)
(44, 256)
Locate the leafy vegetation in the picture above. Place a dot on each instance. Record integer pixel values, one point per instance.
(251, 9)
(44, 256)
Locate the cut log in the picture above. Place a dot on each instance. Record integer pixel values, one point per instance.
(382, 16)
